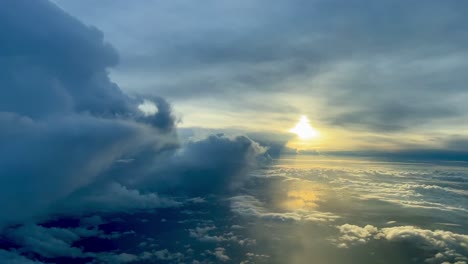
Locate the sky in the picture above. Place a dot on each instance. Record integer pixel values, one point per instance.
(233, 131)
(369, 75)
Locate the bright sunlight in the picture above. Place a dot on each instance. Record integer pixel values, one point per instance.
(303, 129)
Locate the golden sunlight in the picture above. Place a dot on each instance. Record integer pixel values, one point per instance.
(301, 195)
(303, 129)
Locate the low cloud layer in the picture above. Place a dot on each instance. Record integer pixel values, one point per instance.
(451, 247)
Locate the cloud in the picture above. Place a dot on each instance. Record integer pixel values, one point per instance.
(73, 144)
(163, 255)
(351, 234)
(43, 161)
(111, 198)
(203, 233)
(64, 149)
(148, 108)
(64, 121)
(249, 206)
(13, 257)
(58, 65)
(348, 64)
(451, 246)
(220, 254)
(53, 244)
(391, 116)
(117, 258)
(214, 164)
(425, 190)
(154, 255)
(50, 242)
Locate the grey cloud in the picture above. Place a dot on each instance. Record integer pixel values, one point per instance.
(274, 143)
(64, 122)
(393, 116)
(117, 258)
(415, 63)
(160, 255)
(66, 126)
(60, 66)
(214, 164)
(443, 155)
(15, 258)
(70, 137)
(457, 142)
(55, 65)
(110, 198)
(312, 32)
(50, 242)
(44, 160)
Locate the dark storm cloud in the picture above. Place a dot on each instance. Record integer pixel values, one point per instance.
(63, 121)
(42, 161)
(67, 130)
(71, 138)
(54, 63)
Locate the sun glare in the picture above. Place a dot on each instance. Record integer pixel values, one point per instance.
(303, 129)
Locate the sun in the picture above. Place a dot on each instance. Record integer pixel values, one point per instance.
(303, 129)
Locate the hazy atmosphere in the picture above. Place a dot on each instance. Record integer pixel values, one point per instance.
(247, 131)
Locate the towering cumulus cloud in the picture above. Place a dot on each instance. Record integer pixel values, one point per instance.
(63, 121)
(64, 124)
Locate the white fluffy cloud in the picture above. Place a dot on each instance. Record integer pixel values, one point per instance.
(220, 254)
(250, 206)
(351, 234)
(452, 247)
